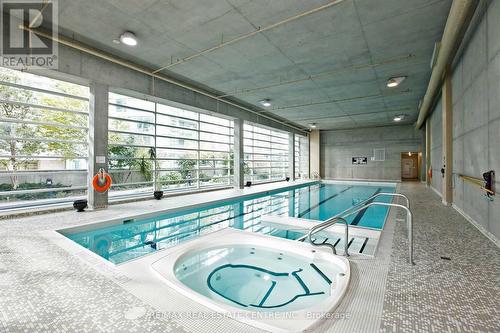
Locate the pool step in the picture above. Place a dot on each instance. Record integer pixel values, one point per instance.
(356, 245)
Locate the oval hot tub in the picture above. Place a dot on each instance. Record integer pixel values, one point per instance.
(240, 274)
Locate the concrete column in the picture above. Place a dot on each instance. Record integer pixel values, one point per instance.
(447, 165)
(239, 211)
(427, 151)
(421, 156)
(314, 153)
(291, 156)
(291, 203)
(98, 141)
(239, 163)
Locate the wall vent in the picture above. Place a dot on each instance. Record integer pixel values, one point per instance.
(378, 154)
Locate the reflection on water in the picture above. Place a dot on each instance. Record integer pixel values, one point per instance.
(130, 240)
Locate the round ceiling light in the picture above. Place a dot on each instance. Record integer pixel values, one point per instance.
(266, 102)
(399, 118)
(395, 81)
(128, 38)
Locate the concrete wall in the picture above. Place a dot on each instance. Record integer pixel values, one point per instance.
(436, 124)
(476, 120)
(315, 153)
(339, 146)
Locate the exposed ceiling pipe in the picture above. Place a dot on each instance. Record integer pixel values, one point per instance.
(338, 100)
(250, 34)
(354, 114)
(323, 74)
(108, 57)
(460, 15)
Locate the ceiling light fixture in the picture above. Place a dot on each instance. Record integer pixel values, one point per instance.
(312, 125)
(266, 102)
(399, 118)
(128, 38)
(395, 81)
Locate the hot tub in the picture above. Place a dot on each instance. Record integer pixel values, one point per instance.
(273, 284)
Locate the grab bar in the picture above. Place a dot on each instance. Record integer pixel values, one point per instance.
(409, 221)
(357, 208)
(325, 225)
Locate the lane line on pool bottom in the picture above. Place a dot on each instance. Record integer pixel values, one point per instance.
(360, 215)
(322, 202)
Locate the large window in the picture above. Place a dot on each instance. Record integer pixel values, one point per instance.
(43, 139)
(152, 143)
(265, 154)
(301, 155)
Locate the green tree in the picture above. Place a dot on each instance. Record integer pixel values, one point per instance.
(17, 133)
(10, 131)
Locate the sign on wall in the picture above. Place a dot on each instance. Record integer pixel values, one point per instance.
(359, 160)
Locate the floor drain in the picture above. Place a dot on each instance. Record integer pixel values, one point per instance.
(446, 258)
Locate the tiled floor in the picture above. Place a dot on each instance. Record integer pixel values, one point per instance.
(46, 288)
(438, 295)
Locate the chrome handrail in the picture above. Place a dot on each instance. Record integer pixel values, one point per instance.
(362, 203)
(409, 221)
(324, 225)
(316, 175)
(357, 208)
(372, 198)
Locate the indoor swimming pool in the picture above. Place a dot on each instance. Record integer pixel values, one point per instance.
(135, 237)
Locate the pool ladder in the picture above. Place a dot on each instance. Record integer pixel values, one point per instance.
(365, 204)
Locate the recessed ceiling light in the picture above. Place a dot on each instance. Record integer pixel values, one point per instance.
(395, 81)
(399, 118)
(128, 38)
(116, 41)
(266, 102)
(313, 125)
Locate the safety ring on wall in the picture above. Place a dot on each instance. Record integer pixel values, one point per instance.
(430, 172)
(101, 181)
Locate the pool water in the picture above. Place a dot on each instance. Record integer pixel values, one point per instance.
(257, 278)
(320, 201)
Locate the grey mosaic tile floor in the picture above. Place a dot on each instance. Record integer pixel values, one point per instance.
(437, 295)
(43, 288)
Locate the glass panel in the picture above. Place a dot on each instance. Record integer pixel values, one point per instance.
(173, 111)
(43, 145)
(265, 153)
(131, 102)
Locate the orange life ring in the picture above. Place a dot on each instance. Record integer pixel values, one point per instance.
(96, 181)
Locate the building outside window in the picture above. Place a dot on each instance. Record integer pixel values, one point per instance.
(301, 155)
(265, 154)
(43, 139)
(175, 148)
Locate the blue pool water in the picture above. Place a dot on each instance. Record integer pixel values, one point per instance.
(256, 278)
(129, 240)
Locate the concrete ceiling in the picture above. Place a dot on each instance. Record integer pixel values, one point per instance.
(349, 49)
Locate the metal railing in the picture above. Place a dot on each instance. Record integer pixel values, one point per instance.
(409, 221)
(325, 225)
(365, 204)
